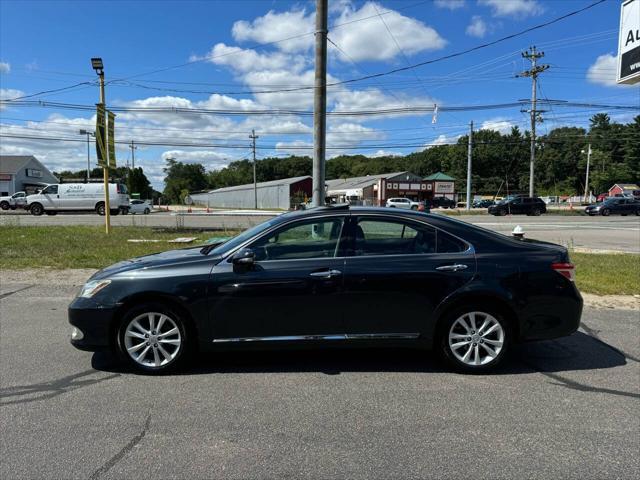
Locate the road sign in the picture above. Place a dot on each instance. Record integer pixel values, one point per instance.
(629, 43)
(111, 135)
(101, 145)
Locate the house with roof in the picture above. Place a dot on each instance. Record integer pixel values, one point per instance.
(626, 189)
(23, 173)
(443, 185)
(276, 194)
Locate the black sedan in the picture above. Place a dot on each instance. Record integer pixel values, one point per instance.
(615, 206)
(519, 205)
(334, 275)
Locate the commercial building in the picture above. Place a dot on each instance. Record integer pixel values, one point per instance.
(276, 194)
(23, 173)
(443, 185)
(377, 189)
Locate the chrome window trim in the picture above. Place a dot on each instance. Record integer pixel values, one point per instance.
(470, 248)
(343, 336)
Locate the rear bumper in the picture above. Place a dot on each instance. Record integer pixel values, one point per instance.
(93, 325)
(552, 317)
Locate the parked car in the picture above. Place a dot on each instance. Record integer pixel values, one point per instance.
(403, 203)
(334, 275)
(139, 206)
(442, 202)
(519, 205)
(17, 200)
(483, 203)
(615, 206)
(78, 197)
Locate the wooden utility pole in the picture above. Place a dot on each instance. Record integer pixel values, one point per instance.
(133, 155)
(533, 55)
(253, 137)
(320, 105)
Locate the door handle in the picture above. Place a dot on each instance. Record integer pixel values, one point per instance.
(326, 274)
(452, 268)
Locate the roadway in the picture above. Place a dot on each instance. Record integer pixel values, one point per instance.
(558, 409)
(599, 233)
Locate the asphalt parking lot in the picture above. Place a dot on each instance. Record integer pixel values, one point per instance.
(600, 233)
(559, 409)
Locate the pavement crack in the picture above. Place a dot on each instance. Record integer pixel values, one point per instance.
(123, 452)
(595, 334)
(5, 295)
(46, 390)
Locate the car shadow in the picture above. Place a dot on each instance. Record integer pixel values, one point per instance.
(576, 352)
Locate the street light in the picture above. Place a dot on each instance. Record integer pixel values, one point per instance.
(88, 134)
(97, 65)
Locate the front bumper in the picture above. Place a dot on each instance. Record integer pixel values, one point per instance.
(95, 323)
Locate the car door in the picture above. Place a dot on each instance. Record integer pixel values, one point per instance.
(397, 272)
(292, 291)
(50, 198)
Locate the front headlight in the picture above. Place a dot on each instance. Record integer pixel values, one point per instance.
(93, 287)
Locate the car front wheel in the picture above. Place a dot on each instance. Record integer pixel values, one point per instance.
(474, 340)
(605, 212)
(152, 338)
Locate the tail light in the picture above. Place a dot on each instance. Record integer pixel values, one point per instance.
(567, 270)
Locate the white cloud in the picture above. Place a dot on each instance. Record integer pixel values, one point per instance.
(8, 94)
(498, 124)
(603, 71)
(5, 67)
(450, 4)
(369, 40)
(513, 8)
(384, 153)
(442, 139)
(477, 27)
(242, 60)
(275, 26)
(211, 159)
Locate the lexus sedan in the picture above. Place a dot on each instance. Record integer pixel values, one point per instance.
(334, 275)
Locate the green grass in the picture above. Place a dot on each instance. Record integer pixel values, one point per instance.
(90, 247)
(607, 274)
(86, 246)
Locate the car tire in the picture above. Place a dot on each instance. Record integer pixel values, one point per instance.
(36, 209)
(392, 206)
(487, 345)
(638, 212)
(114, 212)
(605, 212)
(536, 212)
(51, 212)
(414, 208)
(502, 213)
(148, 352)
(147, 211)
(4, 205)
(100, 209)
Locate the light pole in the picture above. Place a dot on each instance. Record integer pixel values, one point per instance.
(97, 65)
(88, 134)
(586, 180)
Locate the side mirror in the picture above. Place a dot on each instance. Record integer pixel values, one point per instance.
(245, 257)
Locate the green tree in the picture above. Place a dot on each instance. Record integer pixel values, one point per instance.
(137, 182)
(182, 176)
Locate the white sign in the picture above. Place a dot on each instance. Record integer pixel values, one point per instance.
(32, 172)
(629, 43)
(444, 187)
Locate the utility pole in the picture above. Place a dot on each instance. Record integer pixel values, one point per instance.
(133, 156)
(96, 64)
(586, 180)
(88, 134)
(533, 55)
(320, 105)
(253, 137)
(469, 154)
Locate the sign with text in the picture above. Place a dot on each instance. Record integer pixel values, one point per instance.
(629, 43)
(111, 135)
(101, 131)
(444, 187)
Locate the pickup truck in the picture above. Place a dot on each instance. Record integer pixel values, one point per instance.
(17, 200)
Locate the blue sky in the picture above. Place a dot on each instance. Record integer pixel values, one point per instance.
(218, 55)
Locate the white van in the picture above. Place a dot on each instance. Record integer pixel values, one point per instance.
(63, 197)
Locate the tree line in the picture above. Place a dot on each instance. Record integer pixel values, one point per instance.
(500, 163)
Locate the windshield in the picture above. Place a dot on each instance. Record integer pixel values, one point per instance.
(229, 245)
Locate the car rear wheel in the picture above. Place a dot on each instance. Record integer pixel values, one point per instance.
(36, 209)
(536, 212)
(152, 338)
(100, 209)
(474, 340)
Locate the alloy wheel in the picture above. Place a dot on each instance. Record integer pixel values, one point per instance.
(476, 338)
(152, 340)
